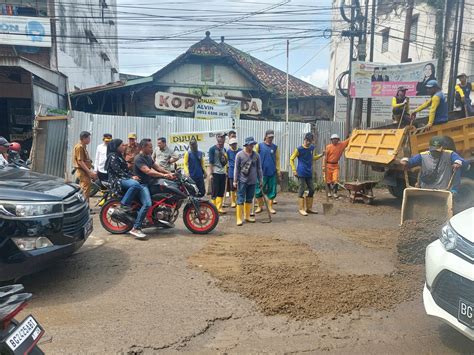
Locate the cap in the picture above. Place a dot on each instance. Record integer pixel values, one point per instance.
(193, 141)
(4, 142)
(249, 141)
(461, 75)
(233, 141)
(132, 135)
(221, 134)
(309, 136)
(432, 84)
(107, 137)
(269, 133)
(402, 88)
(436, 143)
(335, 136)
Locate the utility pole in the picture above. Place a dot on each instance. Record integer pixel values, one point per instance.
(452, 78)
(458, 42)
(407, 32)
(362, 54)
(351, 58)
(371, 58)
(287, 105)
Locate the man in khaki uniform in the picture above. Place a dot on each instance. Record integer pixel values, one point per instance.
(132, 150)
(83, 164)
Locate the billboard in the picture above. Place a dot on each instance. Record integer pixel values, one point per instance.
(378, 80)
(25, 31)
(209, 108)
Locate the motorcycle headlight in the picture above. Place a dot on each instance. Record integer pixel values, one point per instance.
(448, 237)
(20, 209)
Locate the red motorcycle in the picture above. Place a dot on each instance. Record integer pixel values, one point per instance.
(168, 196)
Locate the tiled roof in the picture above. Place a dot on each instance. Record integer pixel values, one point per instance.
(271, 78)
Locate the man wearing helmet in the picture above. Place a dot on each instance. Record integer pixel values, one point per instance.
(4, 146)
(331, 163)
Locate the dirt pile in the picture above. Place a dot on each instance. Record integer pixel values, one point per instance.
(286, 278)
(414, 238)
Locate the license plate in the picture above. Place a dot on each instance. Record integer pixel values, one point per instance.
(25, 336)
(466, 313)
(88, 229)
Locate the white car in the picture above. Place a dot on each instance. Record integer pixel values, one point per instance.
(449, 288)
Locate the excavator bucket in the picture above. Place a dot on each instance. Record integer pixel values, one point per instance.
(419, 204)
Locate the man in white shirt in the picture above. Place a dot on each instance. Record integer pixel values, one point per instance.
(101, 157)
(163, 155)
(4, 145)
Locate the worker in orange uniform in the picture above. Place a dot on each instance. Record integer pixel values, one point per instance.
(331, 167)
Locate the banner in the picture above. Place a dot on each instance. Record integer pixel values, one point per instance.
(180, 103)
(25, 31)
(370, 80)
(179, 143)
(209, 108)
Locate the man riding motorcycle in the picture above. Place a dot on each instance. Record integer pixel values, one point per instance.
(146, 169)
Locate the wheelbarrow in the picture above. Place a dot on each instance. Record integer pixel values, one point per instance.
(361, 190)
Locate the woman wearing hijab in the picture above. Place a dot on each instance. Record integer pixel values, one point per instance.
(120, 177)
(428, 74)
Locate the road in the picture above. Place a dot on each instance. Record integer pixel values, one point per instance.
(180, 292)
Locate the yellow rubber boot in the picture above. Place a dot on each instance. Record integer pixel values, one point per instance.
(309, 205)
(270, 207)
(219, 202)
(233, 199)
(238, 214)
(259, 205)
(302, 209)
(247, 208)
(213, 201)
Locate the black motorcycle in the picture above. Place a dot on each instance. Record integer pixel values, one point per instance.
(168, 196)
(15, 337)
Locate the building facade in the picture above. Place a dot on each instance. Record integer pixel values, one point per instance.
(48, 47)
(210, 69)
(431, 37)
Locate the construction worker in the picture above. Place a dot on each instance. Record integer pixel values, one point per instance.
(270, 156)
(437, 165)
(217, 171)
(304, 172)
(83, 164)
(132, 150)
(195, 167)
(247, 174)
(401, 106)
(437, 103)
(333, 154)
(232, 154)
(463, 95)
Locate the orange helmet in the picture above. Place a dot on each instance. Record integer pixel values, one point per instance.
(15, 146)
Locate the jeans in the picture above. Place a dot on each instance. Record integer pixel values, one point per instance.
(133, 187)
(200, 184)
(245, 193)
(145, 200)
(305, 181)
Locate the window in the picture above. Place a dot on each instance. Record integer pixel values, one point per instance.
(414, 29)
(207, 72)
(385, 38)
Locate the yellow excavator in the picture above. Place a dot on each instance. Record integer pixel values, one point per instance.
(382, 149)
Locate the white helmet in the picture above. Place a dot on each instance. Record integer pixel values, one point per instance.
(335, 136)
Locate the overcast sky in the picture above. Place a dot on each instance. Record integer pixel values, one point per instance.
(166, 28)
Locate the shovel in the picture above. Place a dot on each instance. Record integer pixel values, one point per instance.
(328, 207)
(422, 203)
(269, 220)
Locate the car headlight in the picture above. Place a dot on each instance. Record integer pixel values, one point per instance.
(20, 209)
(448, 237)
(32, 243)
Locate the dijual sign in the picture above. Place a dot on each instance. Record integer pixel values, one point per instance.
(25, 31)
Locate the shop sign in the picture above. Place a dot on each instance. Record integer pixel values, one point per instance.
(170, 102)
(25, 31)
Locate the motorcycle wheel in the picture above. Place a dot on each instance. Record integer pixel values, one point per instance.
(205, 222)
(108, 223)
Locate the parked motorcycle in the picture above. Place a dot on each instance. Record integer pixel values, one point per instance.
(15, 337)
(168, 196)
